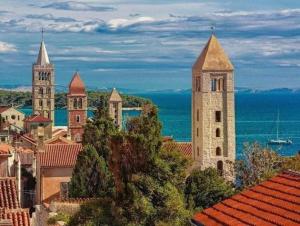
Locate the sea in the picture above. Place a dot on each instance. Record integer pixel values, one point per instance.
(256, 115)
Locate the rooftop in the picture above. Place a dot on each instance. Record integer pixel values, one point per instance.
(37, 118)
(273, 202)
(76, 85)
(115, 96)
(213, 57)
(184, 147)
(43, 58)
(8, 193)
(4, 108)
(59, 155)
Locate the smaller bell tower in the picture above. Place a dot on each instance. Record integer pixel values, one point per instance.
(77, 108)
(115, 108)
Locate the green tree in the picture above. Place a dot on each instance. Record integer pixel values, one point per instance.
(91, 176)
(257, 164)
(206, 188)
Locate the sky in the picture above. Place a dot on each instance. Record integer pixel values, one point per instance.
(150, 45)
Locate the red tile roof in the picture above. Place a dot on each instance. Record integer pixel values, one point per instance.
(184, 147)
(59, 155)
(18, 217)
(273, 202)
(8, 193)
(76, 85)
(4, 108)
(37, 118)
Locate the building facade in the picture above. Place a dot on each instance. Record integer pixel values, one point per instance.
(213, 113)
(77, 108)
(43, 85)
(115, 108)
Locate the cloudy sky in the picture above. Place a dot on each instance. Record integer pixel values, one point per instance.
(144, 45)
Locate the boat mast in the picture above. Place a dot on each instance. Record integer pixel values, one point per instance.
(277, 124)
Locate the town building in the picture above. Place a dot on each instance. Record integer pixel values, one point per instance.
(115, 107)
(77, 108)
(54, 170)
(273, 202)
(43, 85)
(213, 114)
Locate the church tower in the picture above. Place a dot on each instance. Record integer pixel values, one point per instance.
(213, 115)
(115, 108)
(43, 85)
(77, 108)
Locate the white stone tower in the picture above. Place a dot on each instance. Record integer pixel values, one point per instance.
(115, 108)
(213, 114)
(43, 87)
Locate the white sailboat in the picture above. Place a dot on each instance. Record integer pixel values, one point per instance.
(279, 141)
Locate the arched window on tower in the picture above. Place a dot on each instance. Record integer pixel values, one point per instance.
(41, 103)
(220, 167)
(41, 90)
(218, 132)
(218, 151)
(198, 151)
(49, 91)
(80, 103)
(75, 104)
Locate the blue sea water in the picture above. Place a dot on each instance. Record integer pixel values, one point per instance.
(256, 115)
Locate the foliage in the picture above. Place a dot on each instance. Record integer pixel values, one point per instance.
(257, 164)
(205, 188)
(59, 217)
(91, 177)
(148, 178)
(292, 163)
(25, 99)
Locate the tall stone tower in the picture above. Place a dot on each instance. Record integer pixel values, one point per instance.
(115, 108)
(213, 115)
(43, 85)
(77, 108)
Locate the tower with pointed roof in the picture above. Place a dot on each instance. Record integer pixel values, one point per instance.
(213, 114)
(77, 108)
(115, 108)
(43, 85)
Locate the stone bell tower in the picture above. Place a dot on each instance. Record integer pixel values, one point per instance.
(77, 108)
(43, 85)
(115, 108)
(213, 114)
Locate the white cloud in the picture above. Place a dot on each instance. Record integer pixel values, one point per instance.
(119, 23)
(7, 47)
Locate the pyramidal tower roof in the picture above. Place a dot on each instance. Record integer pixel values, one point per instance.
(76, 85)
(115, 96)
(43, 58)
(213, 57)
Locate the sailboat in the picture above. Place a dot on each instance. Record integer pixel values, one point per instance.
(279, 141)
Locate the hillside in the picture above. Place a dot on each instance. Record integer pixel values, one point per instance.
(23, 99)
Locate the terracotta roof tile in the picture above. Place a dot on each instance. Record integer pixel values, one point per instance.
(18, 217)
(76, 85)
(273, 202)
(8, 193)
(184, 147)
(37, 118)
(59, 155)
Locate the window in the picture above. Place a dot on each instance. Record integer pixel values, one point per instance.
(197, 132)
(218, 132)
(75, 103)
(197, 115)
(220, 167)
(49, 103)
(220, 84)
(78, 118)
(13, 117)
(41, 91)
(80, 103)
(198, 151)
(218, 151)
(198, 84)
(41, 103)
(18, 117)
(218, 116)
(49, 91)
(214, 85)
